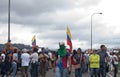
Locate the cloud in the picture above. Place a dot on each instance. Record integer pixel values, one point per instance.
(35, 10)
(48, 21)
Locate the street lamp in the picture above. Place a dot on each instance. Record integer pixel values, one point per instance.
(91, 26)
(9, 21)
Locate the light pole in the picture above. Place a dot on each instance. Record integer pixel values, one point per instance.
(9, 21)
(91, 26)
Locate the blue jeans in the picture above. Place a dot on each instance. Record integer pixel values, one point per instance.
(57, 71)
(83, 68)
(30, 69)
(78, 72)
(34, 69)
(5, 67)
(94, 72)
(14, 68)
(102, 70)
(64, 72)
(115, 70)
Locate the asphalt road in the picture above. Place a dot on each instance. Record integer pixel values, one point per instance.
(50, 73)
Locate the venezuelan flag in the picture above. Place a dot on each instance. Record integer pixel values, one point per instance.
(33, 42)
(69, 36)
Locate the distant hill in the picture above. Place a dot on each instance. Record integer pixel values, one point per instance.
(20, 46)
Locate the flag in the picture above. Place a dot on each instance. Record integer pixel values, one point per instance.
(33, 42)
(69, 36)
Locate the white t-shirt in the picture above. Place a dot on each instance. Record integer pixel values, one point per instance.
(34, 57)
(115, 62)
(111, 58)
(15, 55)
(25, 59)
(3, 57)
(50, 55)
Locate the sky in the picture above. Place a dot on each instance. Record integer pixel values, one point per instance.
(48, 20)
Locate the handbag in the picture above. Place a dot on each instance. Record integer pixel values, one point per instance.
(78, 66)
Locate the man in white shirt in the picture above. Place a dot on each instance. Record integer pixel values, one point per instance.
(115, 64)
(25, 59)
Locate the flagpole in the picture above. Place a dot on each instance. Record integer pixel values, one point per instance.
(9, 21)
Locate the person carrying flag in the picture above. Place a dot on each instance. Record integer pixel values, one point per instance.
(62, 61)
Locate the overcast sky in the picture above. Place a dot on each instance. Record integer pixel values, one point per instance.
(48, 19)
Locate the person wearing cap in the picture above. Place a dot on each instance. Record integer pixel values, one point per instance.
(25, 59)
(62, 61)
(103, 60)
(94, 60)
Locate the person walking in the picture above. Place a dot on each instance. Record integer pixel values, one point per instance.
(87, 62)
(80, 61)
(14, 63)
(62, 61)
(115, 64)
(103, 60)
(43, 64)
(34, 63)
(94, 60)
(25, 59)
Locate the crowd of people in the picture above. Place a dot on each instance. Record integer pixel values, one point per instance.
(62, 62)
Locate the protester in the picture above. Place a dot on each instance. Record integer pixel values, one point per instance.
(25, 60)
(62, 61)
(53, 59)
(115, 64)
(43, 63)
(14, 63)
(8, 62)
(103, 61)
(19, 60)
(30, 64)
(34, 62)
(87, 62)
(72, 57)
(80, 62)
(110, 61)
(94, 60)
